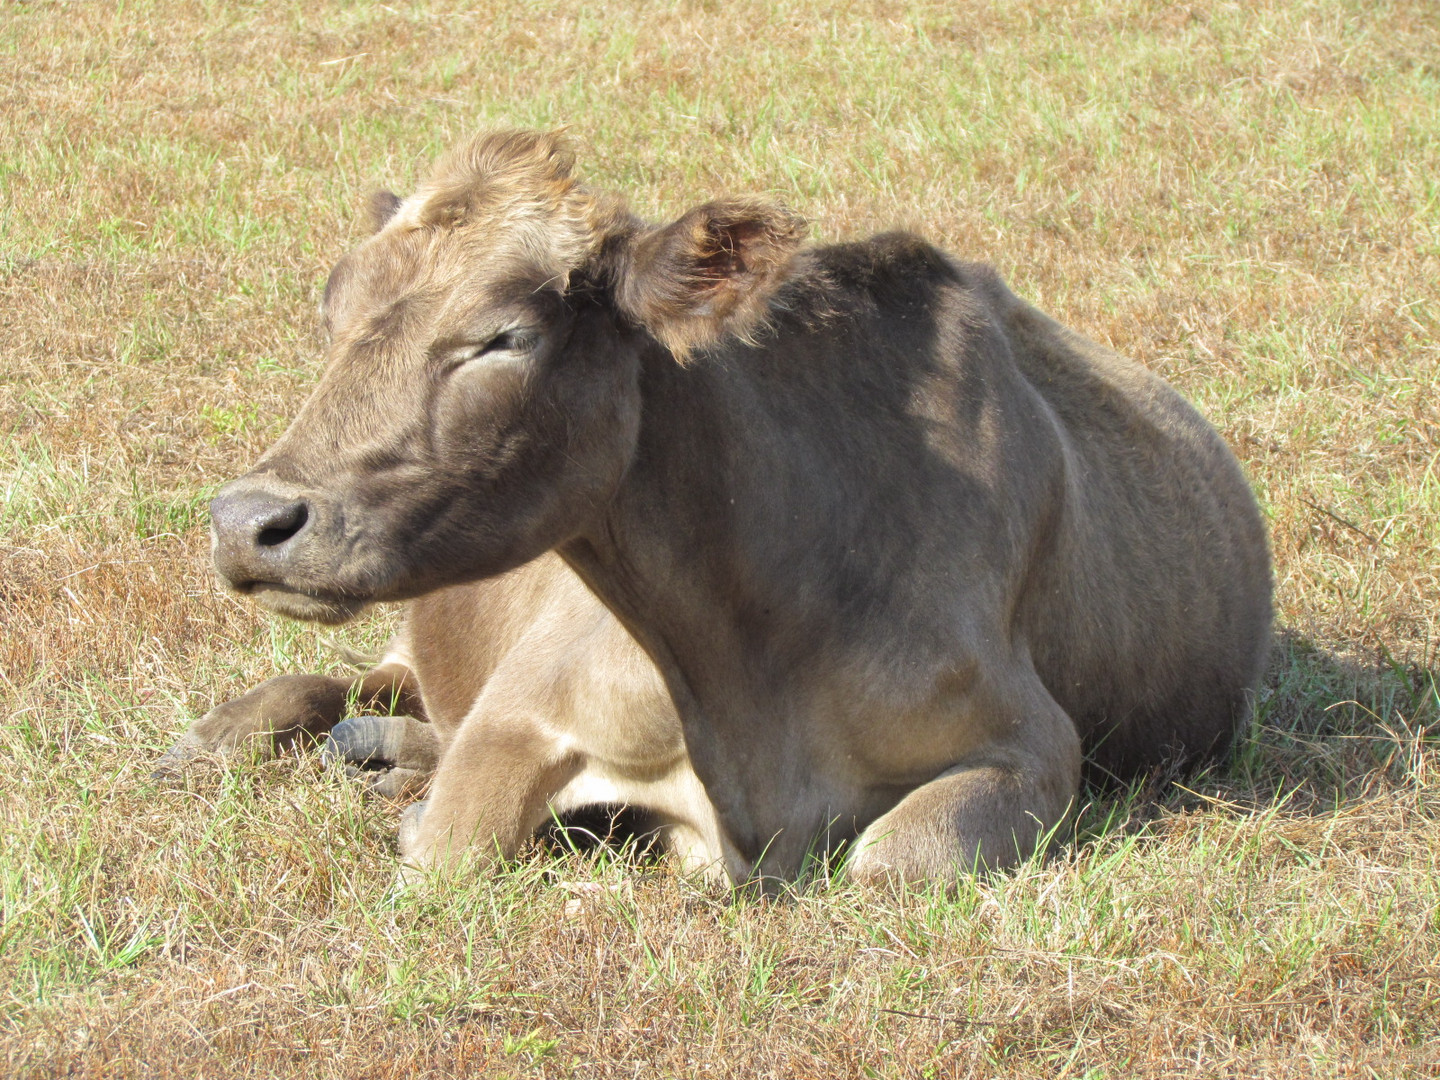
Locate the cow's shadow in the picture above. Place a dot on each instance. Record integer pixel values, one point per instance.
(629, 834)
(1330, 729)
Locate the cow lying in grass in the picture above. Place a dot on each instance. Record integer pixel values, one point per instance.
(901, 547)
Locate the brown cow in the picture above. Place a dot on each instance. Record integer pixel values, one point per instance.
(899, 544)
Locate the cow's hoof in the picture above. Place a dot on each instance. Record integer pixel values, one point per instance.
(382, 742)
(379, 752)
(172, 764)
(409, 878)
(393, 756)
(364, 742)
(410, 830)
(397, 784)
(412, 873)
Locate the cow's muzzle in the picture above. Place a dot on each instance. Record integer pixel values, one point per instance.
(276, 543)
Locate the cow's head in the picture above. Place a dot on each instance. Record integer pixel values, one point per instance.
(481, 400)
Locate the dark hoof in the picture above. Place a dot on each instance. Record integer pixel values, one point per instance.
(172, 764)
(393, 756)
(364, 742)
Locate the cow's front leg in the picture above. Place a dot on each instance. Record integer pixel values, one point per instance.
(293, 710)
(491, 792)
(987, 812)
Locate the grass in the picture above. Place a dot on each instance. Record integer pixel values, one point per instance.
(1244, 196)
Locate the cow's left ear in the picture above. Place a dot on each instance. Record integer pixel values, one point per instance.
(710, 274)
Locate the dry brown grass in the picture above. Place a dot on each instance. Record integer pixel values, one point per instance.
(1244, 196)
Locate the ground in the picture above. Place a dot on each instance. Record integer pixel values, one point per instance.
(1245, 197)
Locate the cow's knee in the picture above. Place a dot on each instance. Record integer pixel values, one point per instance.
(492, 790)
(987, 814)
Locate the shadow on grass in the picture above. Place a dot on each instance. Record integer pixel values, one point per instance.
(1330, 730)
(627, 833)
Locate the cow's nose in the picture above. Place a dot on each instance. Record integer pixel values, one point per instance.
(256, 529)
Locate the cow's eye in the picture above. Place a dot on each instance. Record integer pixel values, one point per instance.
(509, 341)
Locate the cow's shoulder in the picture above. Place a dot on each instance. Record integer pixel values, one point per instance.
(890, 276)
(893, 267)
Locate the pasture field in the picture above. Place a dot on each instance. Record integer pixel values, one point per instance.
(1244, 196)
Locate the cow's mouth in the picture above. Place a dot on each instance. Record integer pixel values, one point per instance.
(329, 609)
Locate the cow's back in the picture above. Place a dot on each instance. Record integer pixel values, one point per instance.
(1149, 618)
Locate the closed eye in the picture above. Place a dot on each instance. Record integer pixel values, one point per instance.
(508, 341)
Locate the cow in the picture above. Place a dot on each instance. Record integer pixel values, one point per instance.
(903, 549)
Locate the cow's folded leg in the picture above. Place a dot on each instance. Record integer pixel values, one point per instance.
(291, 710)
(490, 793)
(988, 812)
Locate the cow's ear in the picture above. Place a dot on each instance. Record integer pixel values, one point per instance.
(710, 274)
(383, 205)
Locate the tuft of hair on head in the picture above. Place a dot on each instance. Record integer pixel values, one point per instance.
(504, 169)
(706, 276)
(711, 274)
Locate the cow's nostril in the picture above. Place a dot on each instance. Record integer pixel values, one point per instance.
(283, 524)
